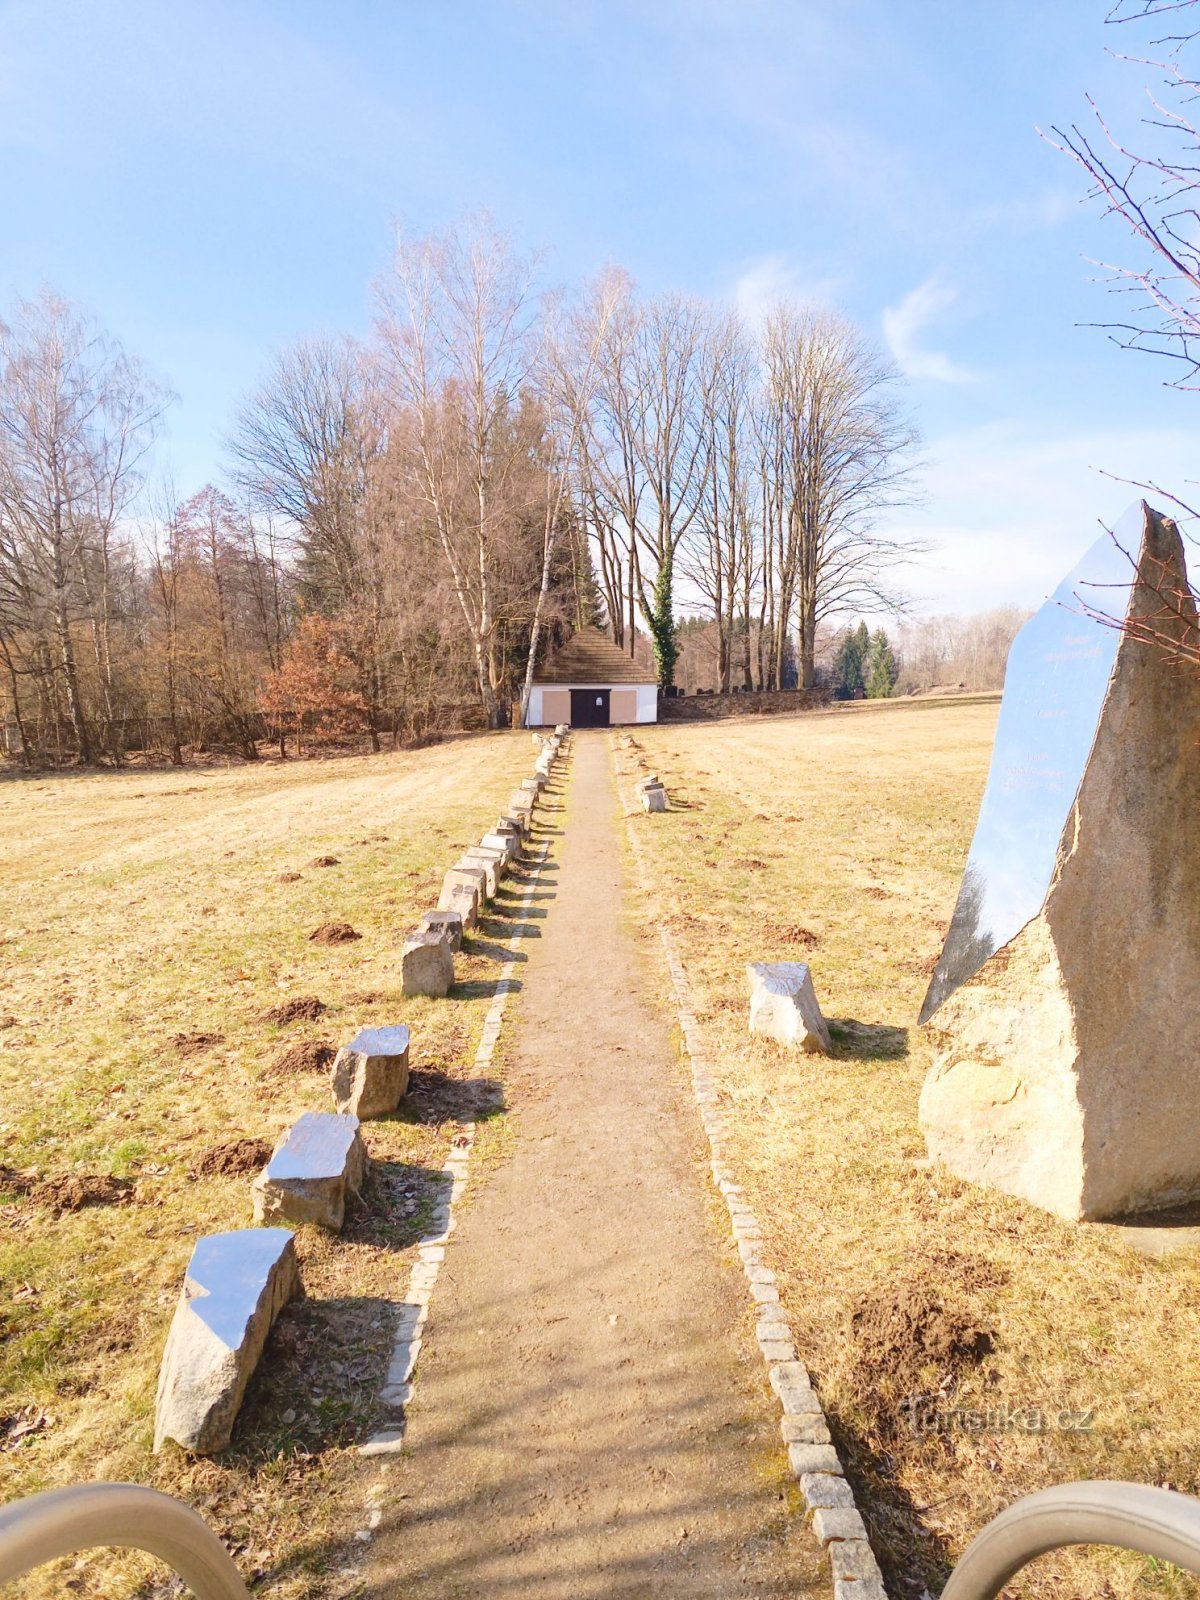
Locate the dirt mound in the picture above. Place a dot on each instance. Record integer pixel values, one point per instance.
(301, 1008)
(923, 1321)
(194, 1044)
(324, 861)
(289, 877)
(306, 1055)
(233, 1159)
(14, 1182)
(791, 933)
(333, 933)
(79, 1190)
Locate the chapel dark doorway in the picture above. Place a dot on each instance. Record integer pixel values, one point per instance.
(589, 708)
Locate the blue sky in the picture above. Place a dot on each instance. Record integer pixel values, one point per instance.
(214, 180)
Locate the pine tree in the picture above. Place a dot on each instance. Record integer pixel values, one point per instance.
(849, 662)
(880, 669)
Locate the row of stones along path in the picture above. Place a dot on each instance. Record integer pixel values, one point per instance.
(590, 1417)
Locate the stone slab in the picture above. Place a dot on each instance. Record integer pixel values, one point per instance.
(465, 875)
(317, 1164)
(492, 863)
(426, 964)
(783, 1005)
(654, 799)
(447, 923)
(235, 1286)
(369, 1076)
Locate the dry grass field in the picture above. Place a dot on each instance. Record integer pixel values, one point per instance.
(149, 922)
(1043, 1351)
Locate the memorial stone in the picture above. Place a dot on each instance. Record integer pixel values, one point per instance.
(1066, 1002)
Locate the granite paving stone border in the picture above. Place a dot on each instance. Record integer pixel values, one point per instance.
(836, 1520)
(412, 1312)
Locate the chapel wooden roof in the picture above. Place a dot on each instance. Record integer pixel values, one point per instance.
(590, 656)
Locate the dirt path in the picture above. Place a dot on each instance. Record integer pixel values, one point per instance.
(588, 1418)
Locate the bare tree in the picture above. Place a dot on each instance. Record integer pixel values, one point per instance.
(303, 447)
(456, 322)
(718, 557)
(645, 460)
(76, 418)
(1154, 193)
(837, 453)
(568, 372)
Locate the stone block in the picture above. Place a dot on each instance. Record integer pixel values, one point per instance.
(492, 863)
(855, 1571)
(465, 875)
(446, 921)
(318, 1162)
(370, 1075)
(804, 1458)
(824, 1492)
(1067, 997)
(235, 1286)
(523, 800)
(838, 1522)
(426, 964)
(463, 900)
(805, 1428)
(509, 844)
(654, 798)
(783, 1005)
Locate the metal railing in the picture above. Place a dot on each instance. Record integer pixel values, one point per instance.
(62, 1522)
(1132, 1516)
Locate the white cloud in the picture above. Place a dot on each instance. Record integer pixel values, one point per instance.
(1030, 215)
(764, 283)
(1008, 512)
(904, 324)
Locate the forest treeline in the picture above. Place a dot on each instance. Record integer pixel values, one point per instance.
(407, 522)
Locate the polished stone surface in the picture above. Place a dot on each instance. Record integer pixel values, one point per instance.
(227, 1275)
(319, 1142)
(1054, 687)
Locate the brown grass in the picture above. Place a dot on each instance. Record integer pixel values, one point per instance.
(150, 922)
(899, 1280)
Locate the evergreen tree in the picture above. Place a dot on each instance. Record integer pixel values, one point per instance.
(880, 669)
(850, 662)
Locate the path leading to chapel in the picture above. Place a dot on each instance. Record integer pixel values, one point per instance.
(588, 1421)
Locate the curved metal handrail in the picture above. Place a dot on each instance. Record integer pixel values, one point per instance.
(89, 1515)
(1133, 1516)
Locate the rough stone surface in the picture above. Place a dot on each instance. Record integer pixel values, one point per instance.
(654, 798)
(491, 863)
(509, 843)
(370, 1075)
(464, 875)
(426, 964)
(318, 1162)
(805, 1458)
(463, 900)
(1064, 1068)
(855, 1571)
(447, 922)
(838, 1522)
(235, 1286)
(783, 1005)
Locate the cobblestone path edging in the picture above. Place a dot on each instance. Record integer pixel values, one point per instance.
(836, 1520)
(412, 1311)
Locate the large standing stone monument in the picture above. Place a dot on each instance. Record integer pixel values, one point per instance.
(1066, 1003)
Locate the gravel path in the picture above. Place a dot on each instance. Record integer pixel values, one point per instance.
(589, 1418)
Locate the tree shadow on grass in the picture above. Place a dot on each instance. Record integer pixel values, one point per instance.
(867, 1041)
